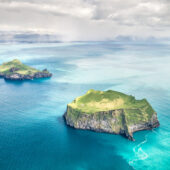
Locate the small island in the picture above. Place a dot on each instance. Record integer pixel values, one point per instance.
(15, 70)
(111, 112)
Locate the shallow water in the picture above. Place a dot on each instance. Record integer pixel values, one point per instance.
(33, 135)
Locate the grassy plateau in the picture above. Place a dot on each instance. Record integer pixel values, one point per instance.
(18, 67)
(97, 101)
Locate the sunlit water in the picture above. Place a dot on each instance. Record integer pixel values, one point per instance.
(33, 134)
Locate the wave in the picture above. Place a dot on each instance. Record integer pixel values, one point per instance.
(140, 154)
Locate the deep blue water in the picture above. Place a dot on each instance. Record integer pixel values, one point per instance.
(33, 134)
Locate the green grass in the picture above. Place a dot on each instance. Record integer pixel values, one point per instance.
(22, 68)
(96, 101)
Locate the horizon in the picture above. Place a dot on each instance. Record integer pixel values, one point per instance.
(25, 37)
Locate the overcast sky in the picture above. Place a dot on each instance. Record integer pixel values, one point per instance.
(73, 20)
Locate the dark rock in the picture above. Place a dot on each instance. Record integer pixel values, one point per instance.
(13, 69)
(45, 70)
(17, 76)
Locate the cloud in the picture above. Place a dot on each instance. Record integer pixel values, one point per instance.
(87, 19)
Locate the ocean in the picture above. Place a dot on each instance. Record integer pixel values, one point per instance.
(33, 134)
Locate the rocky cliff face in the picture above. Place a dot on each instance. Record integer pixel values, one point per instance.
(17, 76)
(113, 121)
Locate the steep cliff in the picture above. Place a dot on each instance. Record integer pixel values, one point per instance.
(111, 112)
(15, 70)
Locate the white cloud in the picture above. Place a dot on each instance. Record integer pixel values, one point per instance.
(87, 19)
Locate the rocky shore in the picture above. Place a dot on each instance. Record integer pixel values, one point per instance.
(17, 76)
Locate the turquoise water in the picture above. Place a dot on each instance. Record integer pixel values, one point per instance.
(33, 135)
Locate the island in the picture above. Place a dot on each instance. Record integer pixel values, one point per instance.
(111, 112)
(15, 70)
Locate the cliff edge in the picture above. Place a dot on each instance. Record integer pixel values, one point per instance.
(111, 112)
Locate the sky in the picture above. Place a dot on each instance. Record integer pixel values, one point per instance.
(85, 20)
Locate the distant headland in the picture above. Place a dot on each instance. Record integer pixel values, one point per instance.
(15, 70)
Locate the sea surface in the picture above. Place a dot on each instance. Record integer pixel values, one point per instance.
(33, 134)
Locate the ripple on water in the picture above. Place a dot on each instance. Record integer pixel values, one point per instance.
(31, 136)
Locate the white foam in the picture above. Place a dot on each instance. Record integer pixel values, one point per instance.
(140, 154)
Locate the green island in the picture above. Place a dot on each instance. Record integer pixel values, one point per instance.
(15, 70)
(111, 112)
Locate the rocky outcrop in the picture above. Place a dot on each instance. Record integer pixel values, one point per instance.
(13, 69)
(113, 121)
(17, 76)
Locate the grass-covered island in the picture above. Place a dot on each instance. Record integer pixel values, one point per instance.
(111, 112)
(15, 70)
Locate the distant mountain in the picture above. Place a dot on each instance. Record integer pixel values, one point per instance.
(27, 37)
(30, 37)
